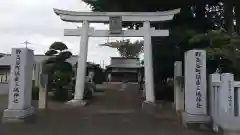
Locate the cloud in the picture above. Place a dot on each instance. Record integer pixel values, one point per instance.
(35, 21)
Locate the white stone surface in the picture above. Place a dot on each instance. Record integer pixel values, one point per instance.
(222, 103)
(148, 64)
(195, 82)
(227, 94)
(4, 89)
(81, 70)
(77, 102)
(214, 87)
(17, 114)
(20, 92)
(37, 73)
(42, 102)
(43, 93)
(178, 90)
(191, 118)
(125, 33)
(72, 16)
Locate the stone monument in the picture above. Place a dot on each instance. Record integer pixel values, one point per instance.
(195, 88)
(43, 93)
(227, 94)
(20, 92)
(178, 87)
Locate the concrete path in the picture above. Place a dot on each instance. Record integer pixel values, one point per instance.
(111, 113)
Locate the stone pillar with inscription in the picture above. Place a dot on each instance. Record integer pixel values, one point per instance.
(214, 87)
(20, 92)
(226, 117)
(195, 88)
(226, 94)
(43, 93)
(37, 71)
(178, 87)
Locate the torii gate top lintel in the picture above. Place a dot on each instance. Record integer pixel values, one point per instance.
(74, 16)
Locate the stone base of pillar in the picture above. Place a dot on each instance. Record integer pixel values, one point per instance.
(75, 102)
(196, 121)
(149, 107)
(215, 127)
(10, 115)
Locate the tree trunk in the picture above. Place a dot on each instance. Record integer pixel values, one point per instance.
(228, 17)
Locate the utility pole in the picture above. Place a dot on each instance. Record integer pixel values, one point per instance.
(26, 43)
(103, 64)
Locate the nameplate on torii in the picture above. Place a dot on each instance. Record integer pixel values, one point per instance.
(124, 33)
(115, 24)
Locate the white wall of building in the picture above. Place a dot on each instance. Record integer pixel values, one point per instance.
(4, 88)
(5, 73)
(123, 61)
(4, 79)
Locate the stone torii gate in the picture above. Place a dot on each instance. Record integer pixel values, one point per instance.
(115, 20)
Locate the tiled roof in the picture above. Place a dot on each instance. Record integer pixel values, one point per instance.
(125, 66)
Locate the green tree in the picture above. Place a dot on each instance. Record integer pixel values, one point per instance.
(60, 71)
(131, 50)
(126, 48)
(223, 50)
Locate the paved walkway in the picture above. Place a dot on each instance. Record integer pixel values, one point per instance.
(112, 113)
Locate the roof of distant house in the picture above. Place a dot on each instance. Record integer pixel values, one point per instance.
(122, 62)
(124, 66)
(123, 58)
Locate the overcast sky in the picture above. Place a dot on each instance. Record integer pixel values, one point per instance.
(35, 21)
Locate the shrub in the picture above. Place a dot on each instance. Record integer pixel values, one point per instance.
(61, 94)
(164, 92)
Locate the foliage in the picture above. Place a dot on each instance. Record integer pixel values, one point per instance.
(131, 50)
(99, 76)
(205, 24)
(126, 48)
(60, 72)
(58, 46)
(222, 51)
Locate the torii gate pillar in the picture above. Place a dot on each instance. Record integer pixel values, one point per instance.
(81, 70)
(148, 64)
